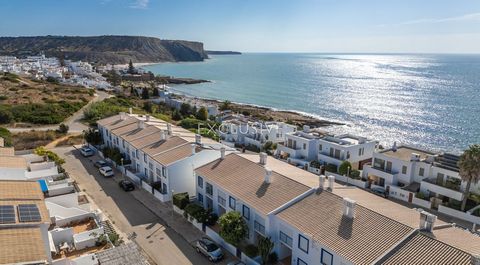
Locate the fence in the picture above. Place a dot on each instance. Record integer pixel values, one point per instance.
(455, 213)
(133, 177)
(355, 182)
(399, 193)
(422, 203)
(146, 187)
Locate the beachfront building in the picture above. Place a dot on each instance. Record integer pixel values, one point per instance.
(300, 147)
(345, 147)
(249, 185)
(159, 154)
(24, 223)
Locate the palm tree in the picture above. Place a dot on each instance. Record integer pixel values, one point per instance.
(469, 165)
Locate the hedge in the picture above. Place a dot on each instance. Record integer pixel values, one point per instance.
(181, 200)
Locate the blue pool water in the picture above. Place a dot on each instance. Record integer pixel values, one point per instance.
(43, 185)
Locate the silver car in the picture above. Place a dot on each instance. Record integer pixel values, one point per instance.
(208, 248)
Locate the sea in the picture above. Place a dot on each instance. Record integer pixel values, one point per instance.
(429, 101)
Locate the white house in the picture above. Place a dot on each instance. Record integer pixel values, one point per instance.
(300, 147)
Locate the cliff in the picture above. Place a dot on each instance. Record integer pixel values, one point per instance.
(105, 49)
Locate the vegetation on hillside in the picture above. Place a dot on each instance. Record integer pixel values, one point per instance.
(7, 136)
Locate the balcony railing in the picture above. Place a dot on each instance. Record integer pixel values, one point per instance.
(447, 184)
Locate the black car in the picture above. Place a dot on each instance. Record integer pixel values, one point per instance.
(126, 185)
(100, 163)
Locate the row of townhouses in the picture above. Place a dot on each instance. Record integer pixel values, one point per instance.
(311, 219)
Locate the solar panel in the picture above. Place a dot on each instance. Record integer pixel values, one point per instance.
(28, 213)
(7, 214)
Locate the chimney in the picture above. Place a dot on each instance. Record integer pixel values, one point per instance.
(147, 118)
(193, 148)
(394, 147)
(169, 129)
(321, 182)
(349, 207)
(427, 221)
(331, 180)
(198, 139)
(2, 142)
(475, 259)
(130, 110)
(268, 175)
(141, 124)
(263, 158)
(162, 135)
(306, 128)
(222, 152)
(122, 116)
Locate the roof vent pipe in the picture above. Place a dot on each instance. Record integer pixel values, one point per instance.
(162, 135)
(268, 175)
(193, 149)
(222, 152)
(263, 158)
(321, 182)
(198, 139)
(141, 124)
(169, 129)
(147, 118)
(331, 180)
(122, 116)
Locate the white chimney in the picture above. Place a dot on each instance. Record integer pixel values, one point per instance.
(331, 181)
(263, 158)
(222, 152)
(162, 135)
(169, 129)
(141, 124)
(349, 207)
(306, 128)
(268, 175)
(198, 139)
(321, 182)
(427, 221)
(2, 142)
(394, 147)
(122, 116)
(147, 118)
(193, 148)
(130, 110)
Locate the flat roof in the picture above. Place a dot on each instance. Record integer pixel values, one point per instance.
(405, 152)
(361, 240)
(459, 238)
(22, 245)
(244, 180)
(423, 249)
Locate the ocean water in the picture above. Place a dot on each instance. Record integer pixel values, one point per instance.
(429, 101)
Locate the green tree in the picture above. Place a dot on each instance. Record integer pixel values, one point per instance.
(114, 77)
(202, 114)
(93, 137)
(63, 128)
(233, 227)
(226, 105)
(185, 109)
(6, 116)
(176, 116)
(265, 247)
(469, 165)
(131, 68)
(41, 151)
(344, 168)
(155, 93)
(147, 106)
(7, 136)
(145, 94)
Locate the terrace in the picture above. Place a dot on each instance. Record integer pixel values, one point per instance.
(449, 188)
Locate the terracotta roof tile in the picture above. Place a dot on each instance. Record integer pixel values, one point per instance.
(13, 162)
(21, 245)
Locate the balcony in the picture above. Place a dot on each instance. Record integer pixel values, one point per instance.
(294, 153)
(390, 177)
(329, 159)
(448, 189)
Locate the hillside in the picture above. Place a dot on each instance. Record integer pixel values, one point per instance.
(105, 49)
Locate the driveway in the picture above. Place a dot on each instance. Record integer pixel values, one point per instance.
(163, 245)
(74, 122)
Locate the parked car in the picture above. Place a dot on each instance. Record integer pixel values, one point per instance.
(106, 171)
(100, 163)
(208, 248)
(379, 192)
(86, 151)
(126, 185)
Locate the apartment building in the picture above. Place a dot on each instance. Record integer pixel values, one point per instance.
(300, 147)
(163, 156)
(24, 223)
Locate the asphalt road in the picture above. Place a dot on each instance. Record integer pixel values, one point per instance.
(162, 244)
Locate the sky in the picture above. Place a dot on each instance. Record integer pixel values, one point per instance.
(391, 26)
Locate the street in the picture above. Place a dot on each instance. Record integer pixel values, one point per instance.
(162, 244)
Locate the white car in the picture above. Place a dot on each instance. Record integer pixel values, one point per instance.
(86, 151)
(106, 171)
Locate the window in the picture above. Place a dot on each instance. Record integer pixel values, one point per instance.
(232, 202)
(246, 212)
(150, 165)
(164, 172)
(123, 143)
(304, 146)
(389, 166)
(320, 148)
(303, 243)
(259, 227)
(200, 197)
(404, 169)
(221, 200)
(200, 181)
(326, 258)
(421, 171)
(286, 239)
(209, 189)
(379, 163)
(209, 203)
(348, 154)
(159, 172)
(361, 151)
(301, 262)
(144, 157)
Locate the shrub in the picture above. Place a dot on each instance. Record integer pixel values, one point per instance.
(420, 195)
(202, 114)
(93, 137)
(5, 116)
(208, 217)
(265, 247)
(273, 258)
(7, 136)
(344, 168)
(63, 128)
(176, 116)
(331, 168)
(233, 227)
(41, 151)
(315, 164)
(194, 210)
(3, 97)
(355, 174)
(113, 153)
(181, 200)
(106, 108)
(251, 250)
